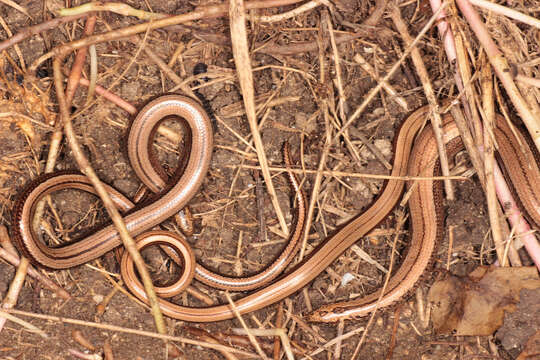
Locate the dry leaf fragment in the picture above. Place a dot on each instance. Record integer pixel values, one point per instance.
(475, 305)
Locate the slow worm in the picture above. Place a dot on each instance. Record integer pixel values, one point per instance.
(137, 221)
(197, 124)
(415, 155)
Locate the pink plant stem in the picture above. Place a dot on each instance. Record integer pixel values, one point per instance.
(476, 24)
(515, 218)
(112, 97)
(445, 31)
(503, 193)
(448, 41)
(76, 70)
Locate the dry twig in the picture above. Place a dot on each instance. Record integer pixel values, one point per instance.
(120, 329)
(245, 76)
(435, 116)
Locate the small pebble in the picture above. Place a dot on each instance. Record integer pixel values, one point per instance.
(346, 278)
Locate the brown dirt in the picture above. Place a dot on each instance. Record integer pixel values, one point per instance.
(226, 207)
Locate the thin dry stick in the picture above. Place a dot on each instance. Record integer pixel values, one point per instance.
(365, 256)
(259, 198)
(364, 29)
(289, 14)
(392, 345)
(270, 332)
(115, 7)
(244, 325)
(165, 68)
(513, 213)
(301, 47)
(420, 305)
(374, 150)
(389, 89)
(233, 339)
(489, 159)
(286, 343)
(448, 256)
(436, 120)
(18, 7)
(505, 11)
(27, 325)
(450, 48)
(390, 73)
(279, 324)
(93, 74)
(518, 54)
(465, 77)
(132, 110)
(401, 221)
(118, 285)
(376, 14)
(27, 32)
(323, 104)
(102, 306)
(318, 179)
(107, 350)
(205, 336)
(201, 12)
(478, 164)
(5, 242)
(337, 65)
(17, 49)
(237, 13)
(113, 212)
(527, 80)
(120, 329)
(337, 351)
(337, 173)
(331, 343)
(56, 137)
(343, 99)
(304, 326)
(469, 142)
